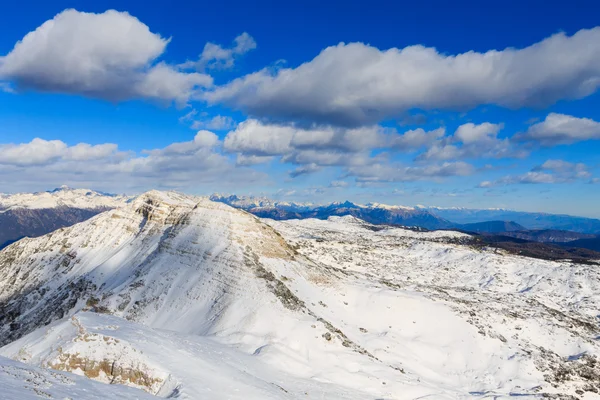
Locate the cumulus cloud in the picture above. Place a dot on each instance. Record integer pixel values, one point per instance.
(253, 137)
(355, 149)
(203, 139)
(357, 84)
(564, 169)
(389, 172)
(561, 129)
(417, 139)
(550, 172)
(87, 152)
(111, 56)
(215, 56)
(42, 152)
(245, 160)
(470, 133)
(182, 165)
(473, 141)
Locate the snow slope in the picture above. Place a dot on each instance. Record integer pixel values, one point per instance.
(210, 302)
(62, 197)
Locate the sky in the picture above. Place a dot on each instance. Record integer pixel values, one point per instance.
(452, 104)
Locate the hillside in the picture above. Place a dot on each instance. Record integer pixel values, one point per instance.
(492, 227)
(178, 296)
(549, 235)
(530, 220)
(35, 214)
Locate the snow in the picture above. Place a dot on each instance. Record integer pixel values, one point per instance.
(387, 206)
(63, 196)
(207, 301)
(24, 382)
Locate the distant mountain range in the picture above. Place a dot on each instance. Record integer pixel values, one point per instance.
(568, 231)
(180, 297)
(529, 220)
(374, 213)
(492, 227)
(35, 214)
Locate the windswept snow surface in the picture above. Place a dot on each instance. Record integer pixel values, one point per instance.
(196, 300)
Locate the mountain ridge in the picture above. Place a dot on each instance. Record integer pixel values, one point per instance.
(189, 273)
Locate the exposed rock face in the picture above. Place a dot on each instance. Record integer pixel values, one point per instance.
(104, 358)
(26, 382)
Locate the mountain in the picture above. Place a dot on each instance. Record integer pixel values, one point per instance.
(61, 197)
(492, 227)
(374, 212)
(35, 214)
(183, 297)
(548, 235)
(530, 220)
(588, 243)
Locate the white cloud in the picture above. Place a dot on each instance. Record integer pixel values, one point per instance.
(561, 129)
(215, 56)
(328, 158)
(87, 152)
(43, 163)
(110, 56)
(253, 137)
(473, 141)
(357, 84)
(417, 138)
(352, 149)
(550, 172)
(380, 172)
(203, 139)
(38, 151)
(42, 152)
(245, 160)
(470, 133)
(564, 170)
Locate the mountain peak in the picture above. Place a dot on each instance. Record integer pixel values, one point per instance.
(63, 196)
(61, 188)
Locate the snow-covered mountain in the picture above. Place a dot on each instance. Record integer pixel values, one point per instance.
(62, 197)
(187, 298)
(375, 213)
(35, 214)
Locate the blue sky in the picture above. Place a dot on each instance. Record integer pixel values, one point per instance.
(264, 99)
